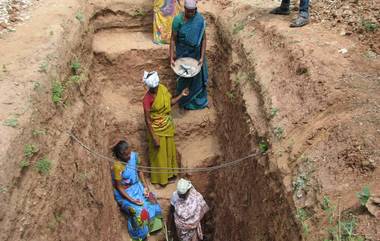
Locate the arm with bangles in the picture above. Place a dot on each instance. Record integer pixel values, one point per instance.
(145, 184)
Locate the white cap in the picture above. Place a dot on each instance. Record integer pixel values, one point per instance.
(183, 186)
(191, 4)
(151, 79)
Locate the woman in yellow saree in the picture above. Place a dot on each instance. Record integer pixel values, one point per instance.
(157, 109)
(164, 12)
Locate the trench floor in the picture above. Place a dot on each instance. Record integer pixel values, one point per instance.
(123, 93)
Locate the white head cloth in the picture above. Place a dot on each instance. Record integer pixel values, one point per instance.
(151, 79)
(191, 4)
(183, 186)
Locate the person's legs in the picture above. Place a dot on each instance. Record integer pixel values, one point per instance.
(304, 8)
(285, 4)
(283, 9)
(303, 17)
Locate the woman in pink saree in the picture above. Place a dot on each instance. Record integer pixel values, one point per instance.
(188, 208)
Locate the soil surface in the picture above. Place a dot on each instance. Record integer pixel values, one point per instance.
(306, 99)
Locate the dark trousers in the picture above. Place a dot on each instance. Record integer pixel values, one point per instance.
(304, 7)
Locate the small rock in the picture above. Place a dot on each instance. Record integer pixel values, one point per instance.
(373, 206)
(343, 51)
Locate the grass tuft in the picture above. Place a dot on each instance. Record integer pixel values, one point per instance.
(79, 16)
(369, 26)
(278, 132)
(24, 163)
(364, 196)
(57, 92)
(238, 27)
(43, 166)
(30, 150)
(12, 122)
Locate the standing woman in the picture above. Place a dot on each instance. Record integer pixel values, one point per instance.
(189, 40)
(157, 109)
(164, 12)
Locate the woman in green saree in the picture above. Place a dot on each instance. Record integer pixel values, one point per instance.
(157, 104)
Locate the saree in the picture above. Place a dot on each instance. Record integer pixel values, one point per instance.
(164, 12)
(141, 219)
(188, 215)
(165, 155)
(189, 44)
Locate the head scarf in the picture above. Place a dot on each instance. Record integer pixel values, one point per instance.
(151, 79)
(191, 4)
(183, 186)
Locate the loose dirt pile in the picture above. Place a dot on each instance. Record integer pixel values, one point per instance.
(12, 12)
(354, 17)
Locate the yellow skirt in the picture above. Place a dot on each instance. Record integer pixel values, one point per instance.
(164, 156)
(164, 12)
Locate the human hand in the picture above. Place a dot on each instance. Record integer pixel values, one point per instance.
(185, 92)
(139, 202)
(200, 62)
(146, 192)
(172, 61)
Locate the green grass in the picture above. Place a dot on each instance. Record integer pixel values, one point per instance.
(36, 86)
(341, 230)
(24, 163)
(230, 95)
(347, 230)
(139, 13)
(43, 166)
(79, 16)
(300, 183)
(238, 27)
(30, 150)
(37, 132)
(273, 112)
(263, 146)
(57, 92)
(369, 26)
(328, 208)
(43, 68)
(278, 132)
(363, 196)
(302, 216)
(3, 189)
(75, 66)
(75, 79)
(12, 122)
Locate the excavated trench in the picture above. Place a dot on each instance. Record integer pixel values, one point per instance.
(247, 202)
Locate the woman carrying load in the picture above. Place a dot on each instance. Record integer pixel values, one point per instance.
(189, 40)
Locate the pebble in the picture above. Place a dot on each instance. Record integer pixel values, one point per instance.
(343, 51)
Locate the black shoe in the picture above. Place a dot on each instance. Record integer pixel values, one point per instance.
(280, 11)
(299, 22)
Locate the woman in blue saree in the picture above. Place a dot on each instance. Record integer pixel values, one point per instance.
(135, 200)
(189, 40)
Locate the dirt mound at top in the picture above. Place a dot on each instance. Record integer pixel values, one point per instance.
(353, 17)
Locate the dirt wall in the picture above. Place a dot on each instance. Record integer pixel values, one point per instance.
(251, 202)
